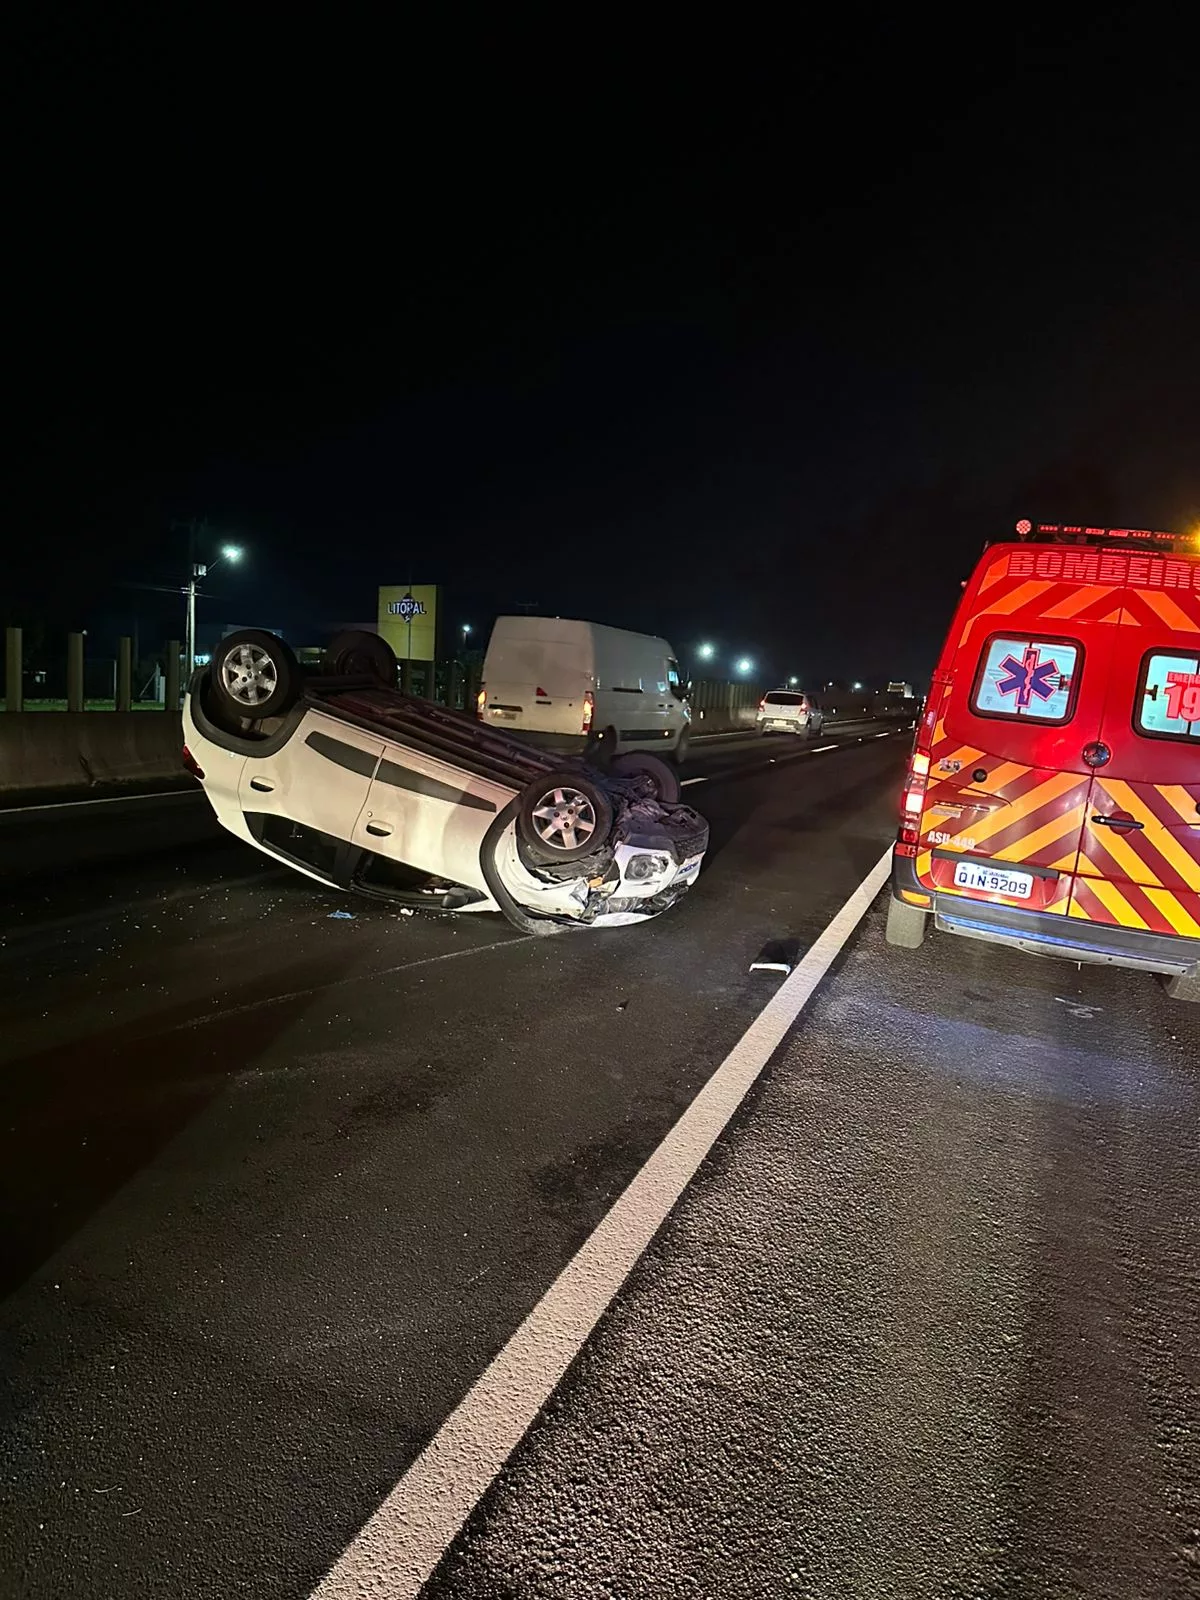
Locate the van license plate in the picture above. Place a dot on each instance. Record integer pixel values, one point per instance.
(993, 880)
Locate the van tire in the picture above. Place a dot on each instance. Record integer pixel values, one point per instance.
(1184, 987)
(536, 827)
(253, 662)
(906, 925)
(667, 788)
(680, 753)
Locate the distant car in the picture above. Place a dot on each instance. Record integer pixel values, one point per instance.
(366, 789)
(789, 711)
(583, 687)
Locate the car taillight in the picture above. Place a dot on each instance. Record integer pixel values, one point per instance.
(481, 701)
(762, 705)
(589, 710)
(190, 764)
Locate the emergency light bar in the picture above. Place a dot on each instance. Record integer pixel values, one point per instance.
(1067, 533)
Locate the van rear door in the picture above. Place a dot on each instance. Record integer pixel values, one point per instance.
(1007, 787)
(1139, 865)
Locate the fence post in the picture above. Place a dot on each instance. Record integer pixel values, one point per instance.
(124, 699)
(171, 692)
(13, 696)
(74, 672)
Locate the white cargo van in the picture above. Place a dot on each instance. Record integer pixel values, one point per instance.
(573, 686)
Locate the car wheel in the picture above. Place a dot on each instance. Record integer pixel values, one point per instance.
(905, 925)
(640, 763)
(359, 654)
(1184, 987)
(254, 675)
(563, 818)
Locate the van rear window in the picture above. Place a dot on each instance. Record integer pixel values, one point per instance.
(1027, 677)
(1168, 705)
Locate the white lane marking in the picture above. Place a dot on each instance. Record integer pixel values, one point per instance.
(820, 747)
(886, 734)
(106, 800)
(686, 781)
(396, 1551)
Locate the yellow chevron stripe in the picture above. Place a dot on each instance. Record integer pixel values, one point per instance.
(1180, 800)
(1123, 913)
(1172, 614)
(1006, 816)
(1179, 918)
(1074, 603)
(1025, 849)
(1162, 839)
(1009, 772)
(1127, 858)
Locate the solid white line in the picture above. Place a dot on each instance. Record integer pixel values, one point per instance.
(395, 1552)
(106, 800)
(686, 781)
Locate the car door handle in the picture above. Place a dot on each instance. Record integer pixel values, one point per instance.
(1130, 824)
(379, 830)
(262, 785)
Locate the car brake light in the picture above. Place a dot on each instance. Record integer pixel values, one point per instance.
(589, 710)
(762, 705)
(481, 700)
(191, 765)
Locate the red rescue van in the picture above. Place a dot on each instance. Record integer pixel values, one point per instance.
(1053, 796)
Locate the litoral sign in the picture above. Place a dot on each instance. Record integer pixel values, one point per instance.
(1106, 567)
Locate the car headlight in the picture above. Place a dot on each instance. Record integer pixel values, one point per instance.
(642, 868)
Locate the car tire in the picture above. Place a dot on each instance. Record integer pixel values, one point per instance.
(563, 817)
(360, 654)
(1184, 987)
(640, 763)
(254, 675)
(906, 925)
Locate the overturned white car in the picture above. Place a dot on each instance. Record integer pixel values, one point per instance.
(366, 789)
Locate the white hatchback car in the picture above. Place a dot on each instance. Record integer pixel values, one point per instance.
(366, 789)
(789, 711)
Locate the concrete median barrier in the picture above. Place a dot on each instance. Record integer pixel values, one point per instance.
(73, 752)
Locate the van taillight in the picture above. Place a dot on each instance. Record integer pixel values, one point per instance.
(916, 782)
(481, 701)
(589, 710)
(190, 764)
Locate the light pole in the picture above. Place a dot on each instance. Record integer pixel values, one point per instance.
(229, 552)
(466, 629)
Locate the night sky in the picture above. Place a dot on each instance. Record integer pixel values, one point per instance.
(743, 336)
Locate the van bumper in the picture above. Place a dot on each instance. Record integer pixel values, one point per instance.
(1044, 933)
(564, 744)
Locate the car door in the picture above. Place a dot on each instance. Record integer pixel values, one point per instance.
(1139, 864)
(1008, 782)
(316, 784)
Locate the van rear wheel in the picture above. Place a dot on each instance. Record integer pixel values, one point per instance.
(905, 925)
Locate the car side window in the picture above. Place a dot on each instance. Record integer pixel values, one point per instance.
(1026, 677)
(1168, 697)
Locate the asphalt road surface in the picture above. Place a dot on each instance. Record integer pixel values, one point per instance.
(275, 1189)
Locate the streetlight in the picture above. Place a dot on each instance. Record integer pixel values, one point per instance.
(744, 666)
(792, 682)
(706, 652)
(229, 552)
(857, 687)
